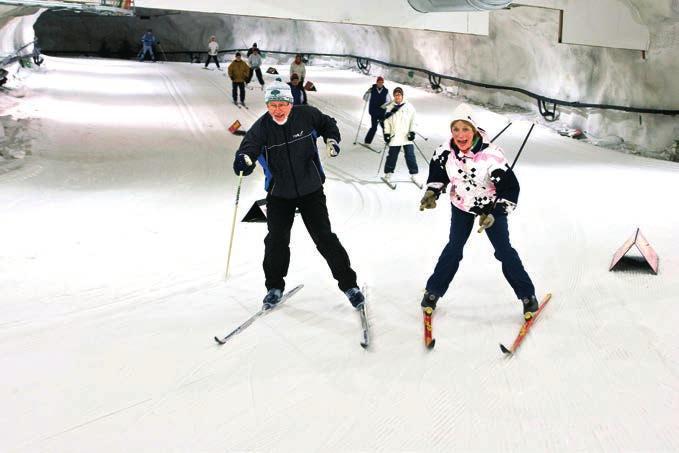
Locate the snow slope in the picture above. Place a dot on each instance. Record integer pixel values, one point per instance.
(114, 244)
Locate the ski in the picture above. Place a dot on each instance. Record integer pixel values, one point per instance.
(429, 341)
(365, 145)
(391, 185)
(261, 312)
(419, 186)
(525, 328)
(364, 321)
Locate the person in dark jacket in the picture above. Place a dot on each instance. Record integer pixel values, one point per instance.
(298, 92)
(147, 41)
(377, 97)
(283, 141)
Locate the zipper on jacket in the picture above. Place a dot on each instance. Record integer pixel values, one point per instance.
(292, 170)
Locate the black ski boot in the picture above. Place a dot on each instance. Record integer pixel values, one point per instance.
(429, 300)
(272, 298)
(356, 297)
(530, 306)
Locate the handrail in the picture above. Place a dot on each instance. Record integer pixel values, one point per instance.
(435, 80)
(11, 58)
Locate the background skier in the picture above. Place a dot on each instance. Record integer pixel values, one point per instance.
(377, 97)
(398, 132)
(213, 51)
(238, 73)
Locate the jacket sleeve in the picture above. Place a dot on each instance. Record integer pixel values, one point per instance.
(325, 125)
(253, 144)
(388, 126)
(506, 185)
(438, 176)
(230, 71)
(411, 123)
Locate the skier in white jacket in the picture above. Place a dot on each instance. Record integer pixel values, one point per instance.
(398, 132)
(213, 51)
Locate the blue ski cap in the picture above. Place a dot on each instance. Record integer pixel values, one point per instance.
(278, 91)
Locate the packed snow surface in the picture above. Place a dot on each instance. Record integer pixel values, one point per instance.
(115, 232)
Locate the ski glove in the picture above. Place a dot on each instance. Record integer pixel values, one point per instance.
(486, 221)
(411, 136)
(387, 138)
(242, 163)
(428, 200)
(332, 147)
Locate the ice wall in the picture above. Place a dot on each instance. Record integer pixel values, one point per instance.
(522, 51)
(16, 28)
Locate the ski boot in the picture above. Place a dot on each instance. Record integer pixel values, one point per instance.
(272, 298)
(530, 306)
(356, 297)
(429, 301)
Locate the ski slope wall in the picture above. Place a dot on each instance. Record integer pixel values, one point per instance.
(522, 50)
(16, 28)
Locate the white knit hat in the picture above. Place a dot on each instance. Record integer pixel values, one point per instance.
(464, 112)
(278, 91)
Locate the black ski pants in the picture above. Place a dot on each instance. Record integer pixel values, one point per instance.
(280, 213)
(210, 58)
(374, 121)
(257, 71)
(240, 86)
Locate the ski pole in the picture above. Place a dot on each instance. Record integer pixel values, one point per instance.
(365, 106)
(425, 138)
(420, 151)
(384, 153)
(162, 51)
(233, 224)
(501, 132)
(512, 167)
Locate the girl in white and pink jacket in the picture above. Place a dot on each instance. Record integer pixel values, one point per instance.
(482, 184)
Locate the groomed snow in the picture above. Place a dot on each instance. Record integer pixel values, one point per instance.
(114, 239)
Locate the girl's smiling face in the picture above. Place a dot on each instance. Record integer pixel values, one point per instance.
(463, 134)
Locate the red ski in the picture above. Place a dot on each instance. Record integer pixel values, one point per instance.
(428, 340)
(526, 327)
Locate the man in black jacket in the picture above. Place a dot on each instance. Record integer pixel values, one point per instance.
(283, 141)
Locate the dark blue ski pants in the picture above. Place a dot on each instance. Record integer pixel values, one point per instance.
(461, 226)
(411, 162)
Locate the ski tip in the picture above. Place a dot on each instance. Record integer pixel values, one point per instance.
(218, 340)
(504, 349)
(364, 345)
(431, 344)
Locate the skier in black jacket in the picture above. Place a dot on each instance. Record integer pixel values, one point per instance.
(283, 141)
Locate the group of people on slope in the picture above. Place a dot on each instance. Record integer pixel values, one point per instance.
(482, 185)
(241, 73)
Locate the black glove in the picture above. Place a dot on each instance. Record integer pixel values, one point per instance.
(428, 200)
(487, 208)
(411, 136)
(387, 138)
(242, 163)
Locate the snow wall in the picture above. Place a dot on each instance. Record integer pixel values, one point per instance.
(521, 51)
(16, 29)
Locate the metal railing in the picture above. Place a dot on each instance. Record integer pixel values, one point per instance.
(547, 106)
